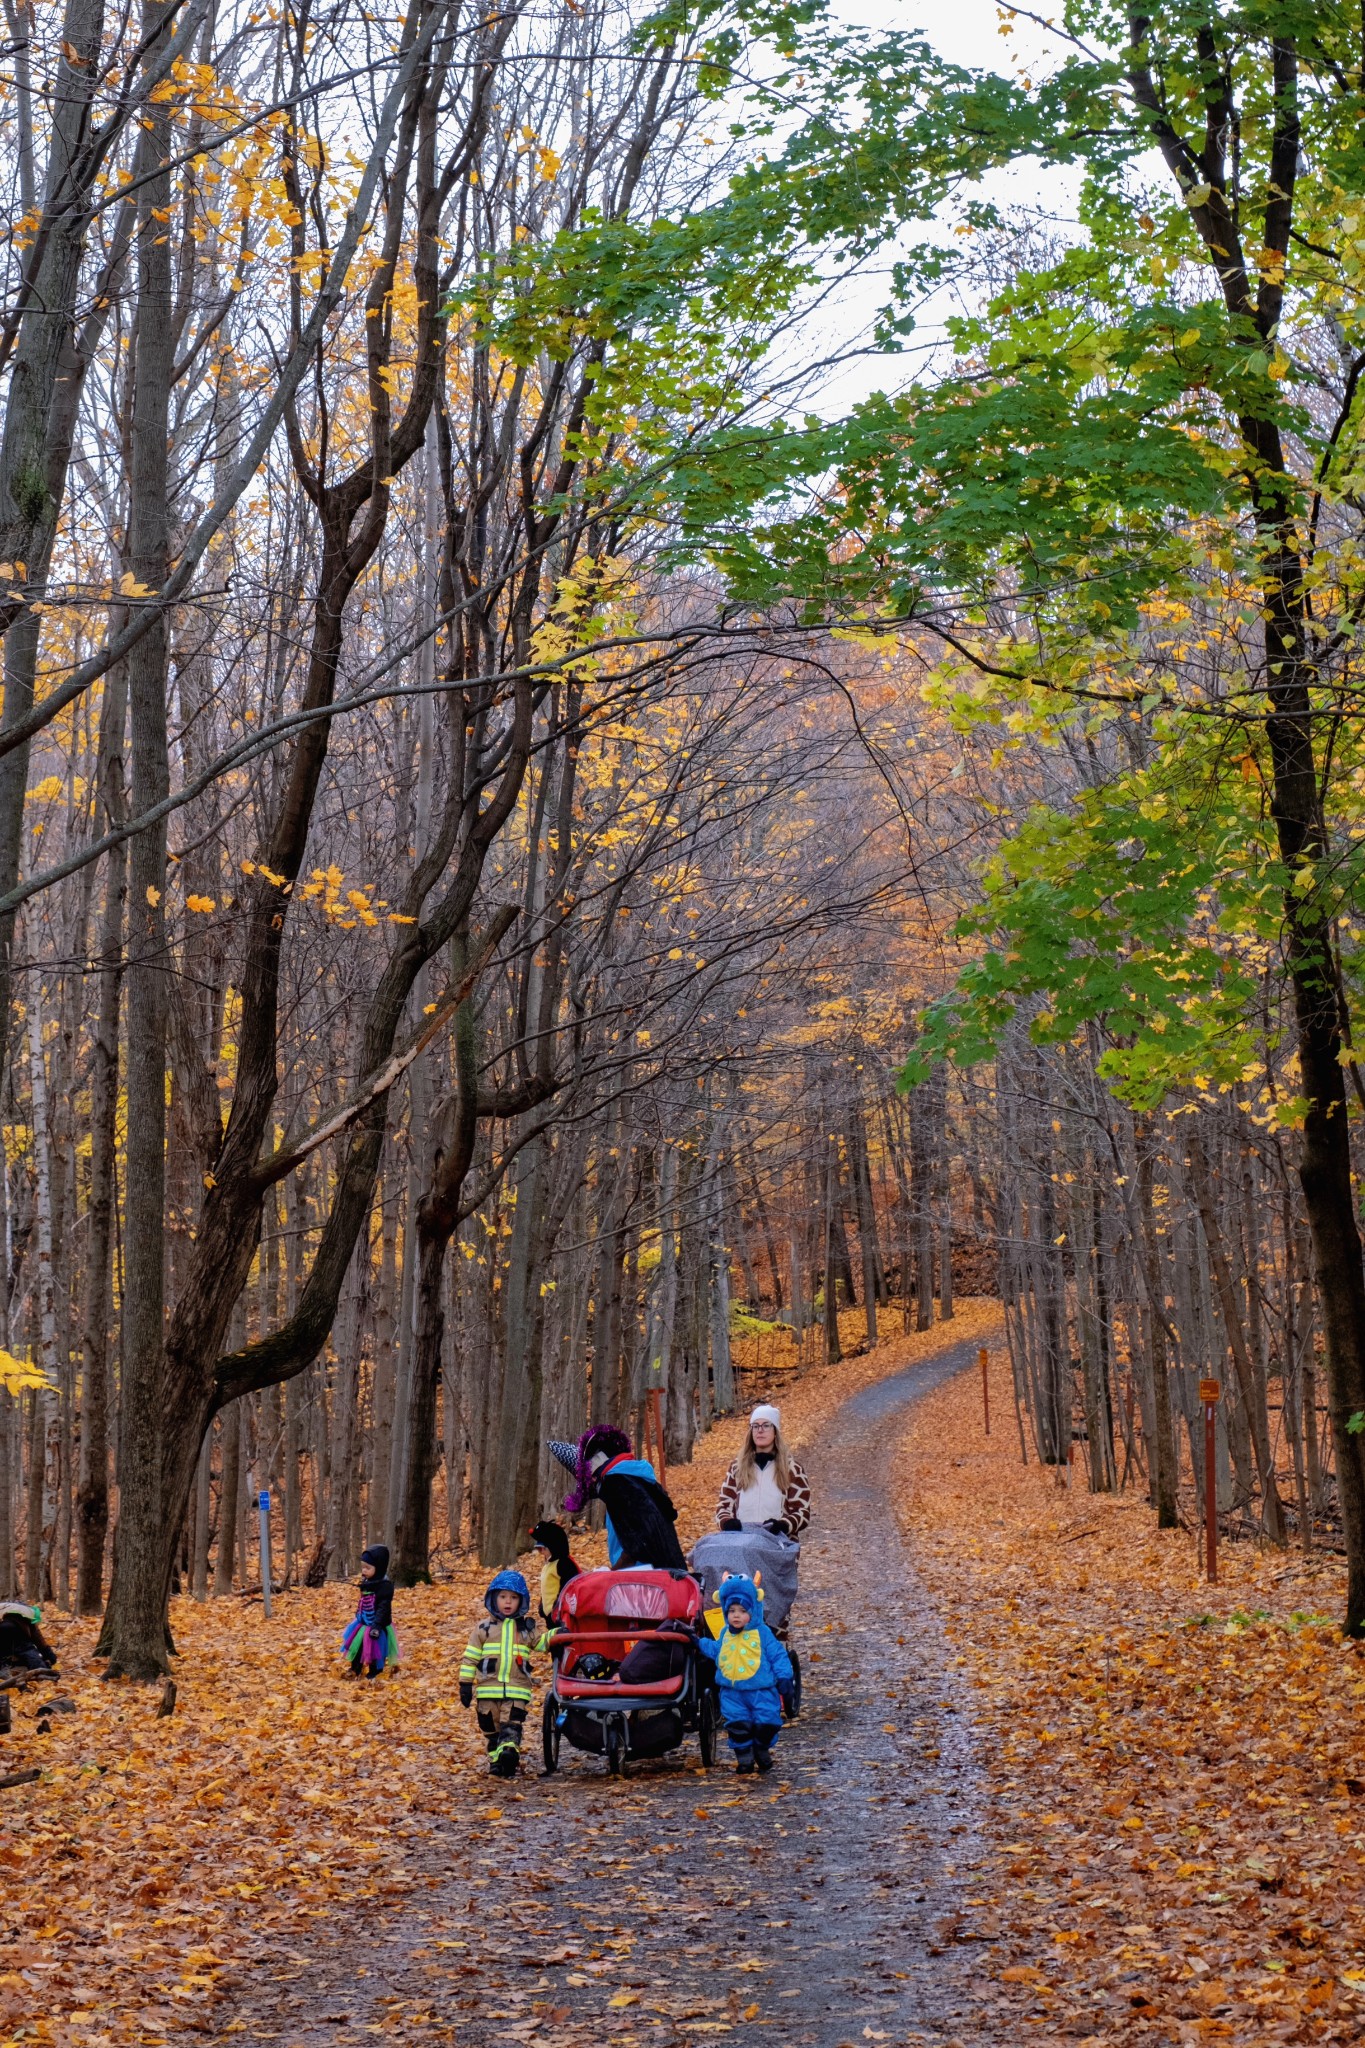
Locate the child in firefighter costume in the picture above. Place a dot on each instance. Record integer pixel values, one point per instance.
(495, 1671)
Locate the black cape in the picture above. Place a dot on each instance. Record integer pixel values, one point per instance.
(642, 1516)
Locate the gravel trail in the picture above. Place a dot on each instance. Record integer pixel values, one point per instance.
(827, 1904)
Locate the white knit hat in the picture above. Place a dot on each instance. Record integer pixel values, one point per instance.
(765, 1412)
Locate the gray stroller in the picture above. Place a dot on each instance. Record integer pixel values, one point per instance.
(770, 1560)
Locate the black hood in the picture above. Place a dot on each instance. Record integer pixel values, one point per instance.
(378, 1556)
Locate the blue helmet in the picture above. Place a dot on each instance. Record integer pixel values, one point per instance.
(507, 1582)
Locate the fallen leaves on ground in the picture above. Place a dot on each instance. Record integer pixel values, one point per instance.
(1178, 1770)
(161, 1863)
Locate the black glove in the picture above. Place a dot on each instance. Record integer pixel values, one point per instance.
(466, 1693)
(732, 1526)
(778, 1527)
(788, 1699)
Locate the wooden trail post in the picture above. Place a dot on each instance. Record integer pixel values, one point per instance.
(654, 1431)
(984, 1356)
(1209, 1393)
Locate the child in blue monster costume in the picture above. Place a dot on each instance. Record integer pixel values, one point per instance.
(754, 1676)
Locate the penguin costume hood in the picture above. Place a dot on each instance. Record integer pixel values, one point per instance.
(559, 1567)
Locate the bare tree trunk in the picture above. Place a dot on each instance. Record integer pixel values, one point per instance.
(229, 1490)
(867, 1217)
(718, 1301)
(1254, 1407)
(833, 1347)
(922, 1203)
(385, 1326)
(142, 1560)
(92, 1496)
(203, 1520)
(1163, 1474)
(43, 1401)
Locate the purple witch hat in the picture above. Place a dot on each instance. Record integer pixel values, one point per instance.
(604, 1440)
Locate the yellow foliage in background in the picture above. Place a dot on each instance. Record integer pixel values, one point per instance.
(17, 1376)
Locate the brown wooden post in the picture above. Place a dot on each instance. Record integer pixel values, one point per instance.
(1209, 1393)
(655, 1412)
(984, 1356)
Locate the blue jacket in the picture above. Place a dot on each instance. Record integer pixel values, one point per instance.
(752, 1668)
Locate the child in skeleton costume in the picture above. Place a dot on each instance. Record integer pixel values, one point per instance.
(495, 1671)
(369, 1642)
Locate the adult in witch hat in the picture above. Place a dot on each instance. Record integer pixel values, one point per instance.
(640, 1515)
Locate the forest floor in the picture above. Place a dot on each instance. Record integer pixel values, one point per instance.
(1045, 1786)
(1177, 1806)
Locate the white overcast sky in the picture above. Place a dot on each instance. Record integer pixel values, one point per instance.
(968, 33)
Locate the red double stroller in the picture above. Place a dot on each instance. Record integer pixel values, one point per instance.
(628, 1680)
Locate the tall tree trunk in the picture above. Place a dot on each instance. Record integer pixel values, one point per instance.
(92, 1495)
(229, 1490)
(1253, 1402)
(718, 1300)
(40, 412)
(142, 1559)
(867, 1217)
(43, 1401)
(511, 1502)
(1253, 294)
(1163, 1461)
(833, 1347)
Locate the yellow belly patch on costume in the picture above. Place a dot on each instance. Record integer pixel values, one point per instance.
(740, 1655)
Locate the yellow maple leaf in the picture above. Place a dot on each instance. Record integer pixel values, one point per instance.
(17, 1375)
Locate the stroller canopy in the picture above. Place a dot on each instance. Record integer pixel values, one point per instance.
(641, 1596)
(751, 1554)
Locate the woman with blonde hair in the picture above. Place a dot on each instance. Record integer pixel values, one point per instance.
(765, 1487)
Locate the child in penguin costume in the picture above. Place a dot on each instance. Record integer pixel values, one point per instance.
(754, 1676)
(558, 1568)
(369, 1642)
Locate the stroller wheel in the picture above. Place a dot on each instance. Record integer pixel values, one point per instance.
(549, 1737)
(616, 1748)
(796, 1685)
(708, 1720)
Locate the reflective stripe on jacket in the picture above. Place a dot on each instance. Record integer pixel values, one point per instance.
(497, 1657)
